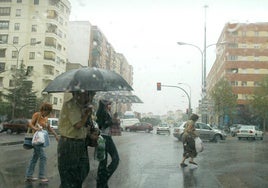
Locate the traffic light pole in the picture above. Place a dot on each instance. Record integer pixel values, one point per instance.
(188, 96)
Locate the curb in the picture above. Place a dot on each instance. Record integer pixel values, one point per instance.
(11, 143)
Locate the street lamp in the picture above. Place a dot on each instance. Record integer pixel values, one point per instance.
(18, 54)
(203, 60)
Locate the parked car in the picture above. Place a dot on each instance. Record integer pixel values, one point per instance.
(128, 122)
(142, 126)
(234, 129)
(54, 122)
(163, 128)
(16, 125)
(204, 131)
(249, 131)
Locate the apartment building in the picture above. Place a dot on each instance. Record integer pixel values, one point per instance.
(243, 60)
(96, 51)
(34, 32)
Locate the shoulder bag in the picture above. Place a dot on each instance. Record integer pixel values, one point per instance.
(27, 144)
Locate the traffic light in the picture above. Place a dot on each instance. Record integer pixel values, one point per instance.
(158, 85)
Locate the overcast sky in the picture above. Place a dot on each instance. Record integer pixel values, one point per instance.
(147, 32)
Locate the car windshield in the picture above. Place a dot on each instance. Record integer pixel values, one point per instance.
(163, 125)
(247, 127)
(153, 64)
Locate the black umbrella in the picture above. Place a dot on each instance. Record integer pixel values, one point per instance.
(118, 97)
(88, 79)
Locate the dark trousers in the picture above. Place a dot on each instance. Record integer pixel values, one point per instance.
(104, 171)
(73, 163)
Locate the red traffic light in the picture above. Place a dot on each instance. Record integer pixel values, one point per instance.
(158, 85)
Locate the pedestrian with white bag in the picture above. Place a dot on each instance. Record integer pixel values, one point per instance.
(39, 124)
(189, 142)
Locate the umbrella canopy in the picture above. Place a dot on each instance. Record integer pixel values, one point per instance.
(118, 97)
(88, 79)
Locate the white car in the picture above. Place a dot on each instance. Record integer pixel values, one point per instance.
(249, 131)
(163, 128)
(54, 122)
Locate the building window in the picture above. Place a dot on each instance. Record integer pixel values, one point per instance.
(55, 100)
(234, 83)
(34, 28)
(232, 58)
(234, 33)
(243, 83)
(33, 41)
(14, 54)
(256, 46)
(244, 33)
(18, 12)
(1, 82)
(256, 71)
(32, 55)
(3, 38)
(19, 1)
(13, 67)
(29, 70)
(256, 58)
(232, 45)
(2, 52)
(256, 84)
(4, 25)
(11, 83)
(17, 26)
(256, 33)
(2, 67)
(243, 45)
(36, 2)
(15, 40)
(5, 11)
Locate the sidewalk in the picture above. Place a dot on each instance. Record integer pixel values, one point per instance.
(11, 139)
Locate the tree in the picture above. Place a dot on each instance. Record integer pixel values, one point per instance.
(224, 99)
(20, 96)
(260, 101)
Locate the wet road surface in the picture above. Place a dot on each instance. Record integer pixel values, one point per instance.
(148, 160)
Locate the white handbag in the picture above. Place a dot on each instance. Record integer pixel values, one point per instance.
(38, 138)
(199, 146)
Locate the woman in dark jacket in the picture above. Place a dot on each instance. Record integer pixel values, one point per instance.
(188, 141)
(104, 120)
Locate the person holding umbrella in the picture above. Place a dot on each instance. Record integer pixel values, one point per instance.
(73, 160)
(105, 121)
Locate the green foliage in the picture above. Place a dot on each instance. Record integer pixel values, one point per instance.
(260, 100)
(5, 110)
(223, 97)
(21, 97)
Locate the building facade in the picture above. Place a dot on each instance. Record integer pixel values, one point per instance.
(98, 52)
(34, 33)
(243, 61)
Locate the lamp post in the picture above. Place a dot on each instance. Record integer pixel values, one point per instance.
(203, 63)
(203, 60)
(18, 50)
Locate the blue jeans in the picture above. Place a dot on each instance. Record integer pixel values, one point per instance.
(38, 153)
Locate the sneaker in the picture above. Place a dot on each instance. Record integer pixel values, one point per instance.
(183, 165)
(43, 180)
(30, 179)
